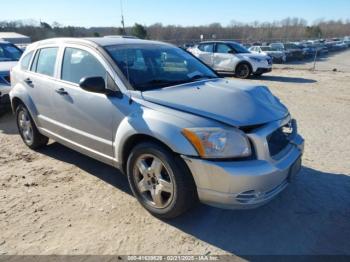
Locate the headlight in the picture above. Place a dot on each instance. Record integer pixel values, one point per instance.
(218, 142)
(256, 59)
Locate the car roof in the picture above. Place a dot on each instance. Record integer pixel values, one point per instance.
(219, 41)
(94, 41)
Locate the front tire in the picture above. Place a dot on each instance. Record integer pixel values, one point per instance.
(243, 70)
(160, 180)
(28, 130)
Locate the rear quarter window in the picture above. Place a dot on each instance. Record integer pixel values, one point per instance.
(45, 61)
(24, 64)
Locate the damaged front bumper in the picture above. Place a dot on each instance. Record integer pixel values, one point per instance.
(249, 183)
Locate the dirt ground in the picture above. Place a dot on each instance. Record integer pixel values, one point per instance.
(57, 201)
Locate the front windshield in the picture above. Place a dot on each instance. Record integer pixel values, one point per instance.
(9, 52)
(152, 66)
(239, 48)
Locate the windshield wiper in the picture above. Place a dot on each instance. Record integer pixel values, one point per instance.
(158, 83)
(198, 77)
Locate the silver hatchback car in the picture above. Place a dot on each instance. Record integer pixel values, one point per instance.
(178, 131)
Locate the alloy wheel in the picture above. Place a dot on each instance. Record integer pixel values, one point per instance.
(25, 126)
(243, 71)
(153, 181)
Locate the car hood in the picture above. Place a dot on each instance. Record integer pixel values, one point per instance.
(232, 102)
(6, 66)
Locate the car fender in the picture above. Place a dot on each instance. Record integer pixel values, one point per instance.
(163, 127)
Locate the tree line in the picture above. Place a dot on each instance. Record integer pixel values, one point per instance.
(289, 29)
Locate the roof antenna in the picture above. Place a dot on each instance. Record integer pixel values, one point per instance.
(122, 15)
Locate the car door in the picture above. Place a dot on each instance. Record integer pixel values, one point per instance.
(40, 83)
(89, 118)
(206, 53)
(224, 58)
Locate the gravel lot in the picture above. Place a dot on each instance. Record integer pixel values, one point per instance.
(57, 201)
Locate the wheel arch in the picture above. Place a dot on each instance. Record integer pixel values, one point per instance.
(135, 140)
(245, 62)
(19, 95)
(15, 102)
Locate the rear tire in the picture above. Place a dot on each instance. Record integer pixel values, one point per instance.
(243, 70)
(28, 130)
(160, 180)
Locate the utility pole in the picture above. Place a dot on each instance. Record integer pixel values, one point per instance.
(122, 16)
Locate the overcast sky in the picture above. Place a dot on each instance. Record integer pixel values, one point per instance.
(180, 12)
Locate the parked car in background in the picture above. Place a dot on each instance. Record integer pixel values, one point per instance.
(308, 50)
(336, 45)
(231, 57)
(320, 47)
(331, 46)
(179, 131)
(277, 46)
(294, 51)
(341, 45)
(347, 40)
(9, 55)
(277, 56)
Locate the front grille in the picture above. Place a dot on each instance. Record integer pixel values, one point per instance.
(279, 139)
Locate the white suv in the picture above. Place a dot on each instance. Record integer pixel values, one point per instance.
(228, 56)
(9, 56)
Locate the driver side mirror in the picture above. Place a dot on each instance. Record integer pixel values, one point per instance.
(95, 84)
(232, 52)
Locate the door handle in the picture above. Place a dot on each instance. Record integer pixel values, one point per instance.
(29, 82)
(61, 91)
